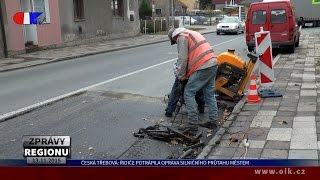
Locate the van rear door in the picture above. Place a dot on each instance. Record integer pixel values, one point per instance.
(258, 19)
(279, 22)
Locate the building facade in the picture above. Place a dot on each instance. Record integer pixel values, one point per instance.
(20, 38)
(82, 19)
(66, 22)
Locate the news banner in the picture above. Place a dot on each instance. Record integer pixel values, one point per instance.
(56, 151)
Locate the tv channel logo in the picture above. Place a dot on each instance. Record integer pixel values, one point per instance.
(47, 149)
(315, 1)
(27, 18)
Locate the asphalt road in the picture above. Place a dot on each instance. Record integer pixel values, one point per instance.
(100, 121)
(25, 87)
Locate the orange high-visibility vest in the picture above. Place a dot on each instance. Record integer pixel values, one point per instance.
(200, 51)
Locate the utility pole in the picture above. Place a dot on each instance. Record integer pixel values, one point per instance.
(172, 13)
(167, 15)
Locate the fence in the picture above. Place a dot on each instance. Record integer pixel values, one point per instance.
(158, 25)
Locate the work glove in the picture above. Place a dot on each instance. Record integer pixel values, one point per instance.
(184, 82)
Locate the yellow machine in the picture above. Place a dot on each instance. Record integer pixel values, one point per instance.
(233, 74)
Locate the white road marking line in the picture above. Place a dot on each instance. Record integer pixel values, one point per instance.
(26, 109)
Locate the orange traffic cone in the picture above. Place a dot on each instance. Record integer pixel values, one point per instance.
(253, 93)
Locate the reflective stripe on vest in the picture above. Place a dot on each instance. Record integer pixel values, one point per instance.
(200, 51)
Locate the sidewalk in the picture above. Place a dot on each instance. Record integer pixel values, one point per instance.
(278, 128)
(53, 55)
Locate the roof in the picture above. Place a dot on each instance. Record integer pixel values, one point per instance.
(224, 1)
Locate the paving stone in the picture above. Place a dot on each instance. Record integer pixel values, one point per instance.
(283, 118)
(303, 124)
(307, 101)
(244, 118)
(305, 113)
(258, 134)
(303, 154)
(282, 124)
(267, 113)
(228, 152)
(287, 108)
(308, 93)
(309, 86)
(294, 84)
(293, 88)
(310, 69)
(286, 113)
(268, 108)
(251, 107)
(307, 108)
(276, 99)
(232, 130)
(279, 134)
(226, 136)
(271, 103)
(255, 144)
(293, 93)
(289, 103)
(226, 143)
(252, 153)
(305, 118)
(288, 97)
(248, 113)
(240, 124)
(317, 118)
(319, 145)
(308, 77)
(263, 124)
(304, 131)
(277, 145)
(318, 125)
(304, 142)
(274, 154)
(263, 118)
(296, 75)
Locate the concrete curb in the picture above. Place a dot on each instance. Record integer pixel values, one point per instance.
(236, 110)
(90, 54)
(217, 137)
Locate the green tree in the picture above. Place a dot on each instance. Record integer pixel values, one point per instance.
(205, 4)
(145, 9)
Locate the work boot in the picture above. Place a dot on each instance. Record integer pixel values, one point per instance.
(209, 125)
(168, 114)
(193, 128)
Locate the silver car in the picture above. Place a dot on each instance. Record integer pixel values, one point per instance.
(230, 24)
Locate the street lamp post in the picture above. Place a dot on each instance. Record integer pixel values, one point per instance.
(172, 13)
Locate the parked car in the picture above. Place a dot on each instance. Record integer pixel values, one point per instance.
(199, 19)
(278, 17)
(230, 24)
(191, 20)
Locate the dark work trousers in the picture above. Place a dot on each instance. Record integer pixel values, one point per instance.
(175, 96)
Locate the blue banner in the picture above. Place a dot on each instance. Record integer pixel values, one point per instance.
(172, 163)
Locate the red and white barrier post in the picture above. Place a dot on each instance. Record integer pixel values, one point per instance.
(264, 49)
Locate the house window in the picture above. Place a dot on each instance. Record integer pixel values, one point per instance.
(78, 9)
(42, 6)
(117, 7)
(158, 11)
